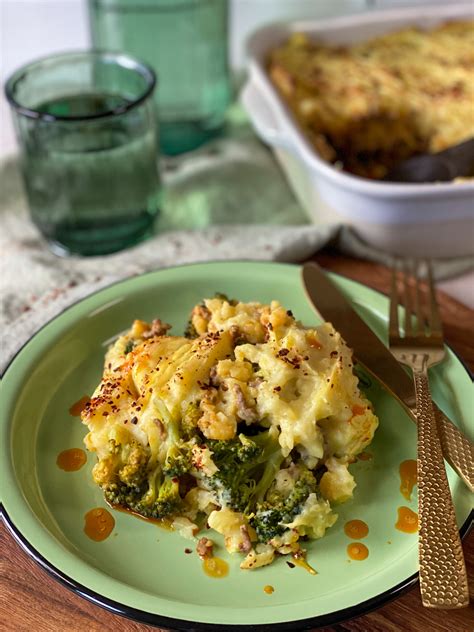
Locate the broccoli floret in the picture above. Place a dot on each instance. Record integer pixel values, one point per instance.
(188, 424)
(128, 481)
(234, 452)
(168, 501)
(134, 472)
(267, 523)
(123, 495)
(139, 499)
(176, 455)
(235, 459)
(125, 462)
(179, 463)
(246, 468)
(273, 513)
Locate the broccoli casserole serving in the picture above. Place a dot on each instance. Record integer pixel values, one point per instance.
(368, 106)
(245, 425)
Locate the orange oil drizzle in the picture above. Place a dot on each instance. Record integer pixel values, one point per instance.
(300, 560)
(268, 589)
(356, 529)
(99, 524)
(407, 520)
(408, 477)
(159, 522)
(77, 408)
(357, 551)
(215, 567)
(71, 460)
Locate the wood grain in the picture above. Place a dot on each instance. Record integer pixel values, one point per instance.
(30, 600)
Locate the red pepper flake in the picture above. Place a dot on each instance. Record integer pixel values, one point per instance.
(134, 420)
(289, 313)
(283, 352)
(188, 551)
(277, 388)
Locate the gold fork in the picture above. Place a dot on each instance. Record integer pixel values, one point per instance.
(443, 578)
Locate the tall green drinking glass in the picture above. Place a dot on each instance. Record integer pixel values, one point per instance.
(86, 127)
(185, 41)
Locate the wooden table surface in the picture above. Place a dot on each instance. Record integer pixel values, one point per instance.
(31, 600)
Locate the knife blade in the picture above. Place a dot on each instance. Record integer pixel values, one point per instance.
(369, 350)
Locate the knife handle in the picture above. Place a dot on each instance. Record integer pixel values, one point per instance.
(457, 449)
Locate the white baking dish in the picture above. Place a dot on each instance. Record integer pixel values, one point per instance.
(407, 219)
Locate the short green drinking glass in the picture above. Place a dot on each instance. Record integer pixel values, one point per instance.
(186, 43)
(86, 127)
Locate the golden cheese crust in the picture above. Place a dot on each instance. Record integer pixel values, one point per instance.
(368, 106)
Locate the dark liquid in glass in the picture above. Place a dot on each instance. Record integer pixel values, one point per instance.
(93, 185)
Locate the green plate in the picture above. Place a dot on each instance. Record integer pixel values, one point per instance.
(142, 571)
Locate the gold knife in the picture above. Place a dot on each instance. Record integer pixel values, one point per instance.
(370, 351)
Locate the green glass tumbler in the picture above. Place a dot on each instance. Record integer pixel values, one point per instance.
(86, 127)
(186, 42)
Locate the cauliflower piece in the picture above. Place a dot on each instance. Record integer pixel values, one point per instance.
(348, 435)
(202, 460)
(199, 500)
(214, 423)
(262, 555)
(234, 527)
(337, 484)
(184, 527)
(286, 543)
(315, 517)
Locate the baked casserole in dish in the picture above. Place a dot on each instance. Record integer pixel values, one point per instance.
(336, 150)
(370, 105)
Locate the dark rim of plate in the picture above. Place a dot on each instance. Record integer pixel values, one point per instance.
(183, 625)
(121, 59)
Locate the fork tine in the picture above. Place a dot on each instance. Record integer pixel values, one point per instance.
(419, 326)
(393, 315)
(407, 300)
(433, 318)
